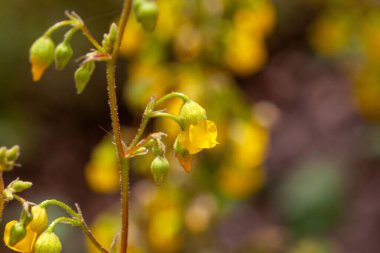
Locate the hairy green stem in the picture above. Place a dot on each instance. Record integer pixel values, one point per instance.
(91, 237)
(172, 95)
(167, 115)
(60, 204)
(65, 220)
(58, 25)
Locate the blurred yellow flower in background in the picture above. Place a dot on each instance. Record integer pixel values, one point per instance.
(330, 33)
(242, 173)
(101, 172)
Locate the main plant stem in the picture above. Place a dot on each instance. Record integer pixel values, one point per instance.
(2, 202)
(112, 99)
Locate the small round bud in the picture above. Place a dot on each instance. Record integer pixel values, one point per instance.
(147, 14)
(47, 242)
(159, 168)
(191, 113)
(63, 54)
(17, 233)
(83, 75)
(13, 153)
(40, 219)
(41, 56)
(19, 186)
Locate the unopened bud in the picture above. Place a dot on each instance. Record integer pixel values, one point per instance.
(41, 56)
(17, 233)
(159, 168)
(19, 186)
(147, 14)
(63, 54)
(83, 75)
(110, 38)
(48, 242)
(40, 219)
(13, 153)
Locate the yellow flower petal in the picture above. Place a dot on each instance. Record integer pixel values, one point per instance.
(26, 244)
(198, 137)
(38, 69)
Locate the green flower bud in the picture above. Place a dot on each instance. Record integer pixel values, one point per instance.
(13, 153)
(63, 54)
(18, 232)
(19, 186)
(136, 5)
(41, 56)
(110, 38)
(191, 113)
(47, 242)
(159, 168)
(83, 75)
(147, 14)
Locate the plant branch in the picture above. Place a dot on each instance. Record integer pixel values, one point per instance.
(58, 25)
(172, 95)
(91, 237)
(167, 115)
(60, 204)
(112, 99)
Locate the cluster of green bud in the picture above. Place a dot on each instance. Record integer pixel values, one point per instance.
(15, 186)
(8, 158)
(110, 39)
(32, 218)
(160, 165)
(48, 242)
(146, 12)
(83, 74)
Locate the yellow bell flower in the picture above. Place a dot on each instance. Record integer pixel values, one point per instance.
(198, 133)
(26, 244)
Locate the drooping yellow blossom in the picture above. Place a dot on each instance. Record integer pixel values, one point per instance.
(199, 136)
(198, 133)
(26, 244)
